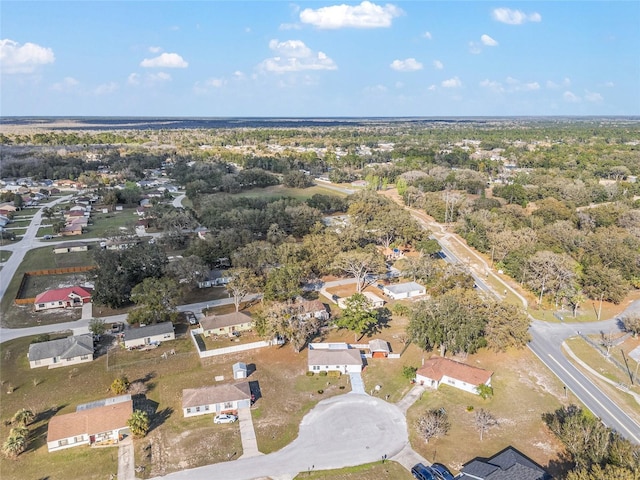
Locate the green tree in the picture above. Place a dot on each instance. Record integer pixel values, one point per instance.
(507, 326)
(631, 324)
(14, 445)
(287, 321)
(156, 300)
(120, 385)
(97, 326)
(139, 423)
(485, 391)
(23, 417)
(283, 283)
(358, 315)
(409, 372)
(362, 265)
(243, 282)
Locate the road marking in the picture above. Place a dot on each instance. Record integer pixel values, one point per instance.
(596, 400)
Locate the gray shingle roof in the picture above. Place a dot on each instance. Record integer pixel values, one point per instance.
(69, 347)
(230, 392)
(509, 464)
(148, 331)
(404, 288)
(346, 356)
(227, 320)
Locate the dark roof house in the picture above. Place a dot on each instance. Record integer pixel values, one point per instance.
(508, 464)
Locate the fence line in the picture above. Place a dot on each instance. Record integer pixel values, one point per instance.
(225, 350)
(50, 271)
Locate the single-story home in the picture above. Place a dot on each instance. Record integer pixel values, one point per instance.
(439, 370)
(374, 300)
(61, 352)
(226, 324)
(104, 424)
(379, 348)
(62, 298)
(399, 291)
(508, 463)
(226, 398)
(215, 278)
(312, 308)
(71, 230)
(338, 358)
(150, 334)
(121, 243)
(71, 247)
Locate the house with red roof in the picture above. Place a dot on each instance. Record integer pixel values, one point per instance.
(62, 298)
(440, 370)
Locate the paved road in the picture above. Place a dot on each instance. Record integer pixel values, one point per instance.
(341, 431)
(177, 202)
(547, 342)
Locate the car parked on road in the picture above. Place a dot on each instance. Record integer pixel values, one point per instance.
(422, 472)
(224, 418)
(442, 472)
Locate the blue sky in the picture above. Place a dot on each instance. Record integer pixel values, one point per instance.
(306, 59)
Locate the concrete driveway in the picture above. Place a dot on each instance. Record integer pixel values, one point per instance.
(340, 431)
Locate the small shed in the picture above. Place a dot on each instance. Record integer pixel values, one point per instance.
(239, 370)
(379, 348)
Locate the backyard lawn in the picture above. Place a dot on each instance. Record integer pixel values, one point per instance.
(378, 471)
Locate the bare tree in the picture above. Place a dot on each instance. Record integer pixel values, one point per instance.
(435, 423)
(242, 283)
(360, 265)
(484, 421)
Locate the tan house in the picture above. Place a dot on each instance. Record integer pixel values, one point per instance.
(71, 247)
(61, 352)
(226, 324)
(104, 422)
(151, 334)
(439, 370)
(227, 398)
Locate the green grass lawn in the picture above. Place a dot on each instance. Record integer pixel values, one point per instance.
(42, 231)
(5, 255)
(378, 471)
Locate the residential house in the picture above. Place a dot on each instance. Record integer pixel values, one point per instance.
(102, 423)
(508, 463)
(440, 370)
(71, 247)
(149, 334)
(226, 398)
(226, 324)
(62, 298)
(61, 352)
(215, 278)
(374, 300)
(399, 291)
(121, 243)
(336, 358)
(311, 309)
(71, 230)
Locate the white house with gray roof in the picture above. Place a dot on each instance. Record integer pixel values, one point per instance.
(399, 291)
(148, 335)
(225, 398)
(336, 358)
(61, 352)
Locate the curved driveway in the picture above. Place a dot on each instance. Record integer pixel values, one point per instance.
(345, 430)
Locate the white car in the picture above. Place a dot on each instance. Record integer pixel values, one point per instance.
(225, 418)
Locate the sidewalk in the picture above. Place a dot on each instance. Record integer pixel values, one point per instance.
(410, 398)
(247, 434)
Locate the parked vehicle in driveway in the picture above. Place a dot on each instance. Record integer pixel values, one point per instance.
(224, 418)
(191, 317)
(442, 472)
(422, 472)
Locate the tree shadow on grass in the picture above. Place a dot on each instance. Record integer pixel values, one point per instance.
(39, 426)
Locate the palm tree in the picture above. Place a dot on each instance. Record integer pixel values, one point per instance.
(139, 423)
(23, 417)
(14, 446)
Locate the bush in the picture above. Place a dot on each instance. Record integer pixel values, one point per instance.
(323, 373)
(470, 408)
(120, 385)
(320, 391)
(409, 372)
(309, 374)
(334, 373)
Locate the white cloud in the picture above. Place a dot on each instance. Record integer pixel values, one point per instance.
(158, 77)
(209, 84)
(16, 58)
(155, 49)
(427, 35)
(106, 88)
(512, 85)
(593, 97)
(474, 48)
(295, 56)
(452, 83)
(290, 48)
(530, 86)
(488, 41)
(608, 84)
(365, 15)
(133, 79)
(515, 17)
(165, 60)
(570, 97)
(431, 88)
(566, 82)
(492, 85)
(239, 75)
(408, 65)
(66, 85)
(437, 64)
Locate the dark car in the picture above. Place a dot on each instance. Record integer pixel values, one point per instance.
(191, 317)
(422, 472)
(442, 472)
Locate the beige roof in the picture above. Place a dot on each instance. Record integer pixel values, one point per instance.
(91, 421)
(311, 306)
(219, 321)
(436, 367)
(196, 397)
(343, 356)
(377, 345)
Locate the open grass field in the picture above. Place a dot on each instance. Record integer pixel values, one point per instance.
(38, 259)
(523, 391)
(370, 471)
(5, 255)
